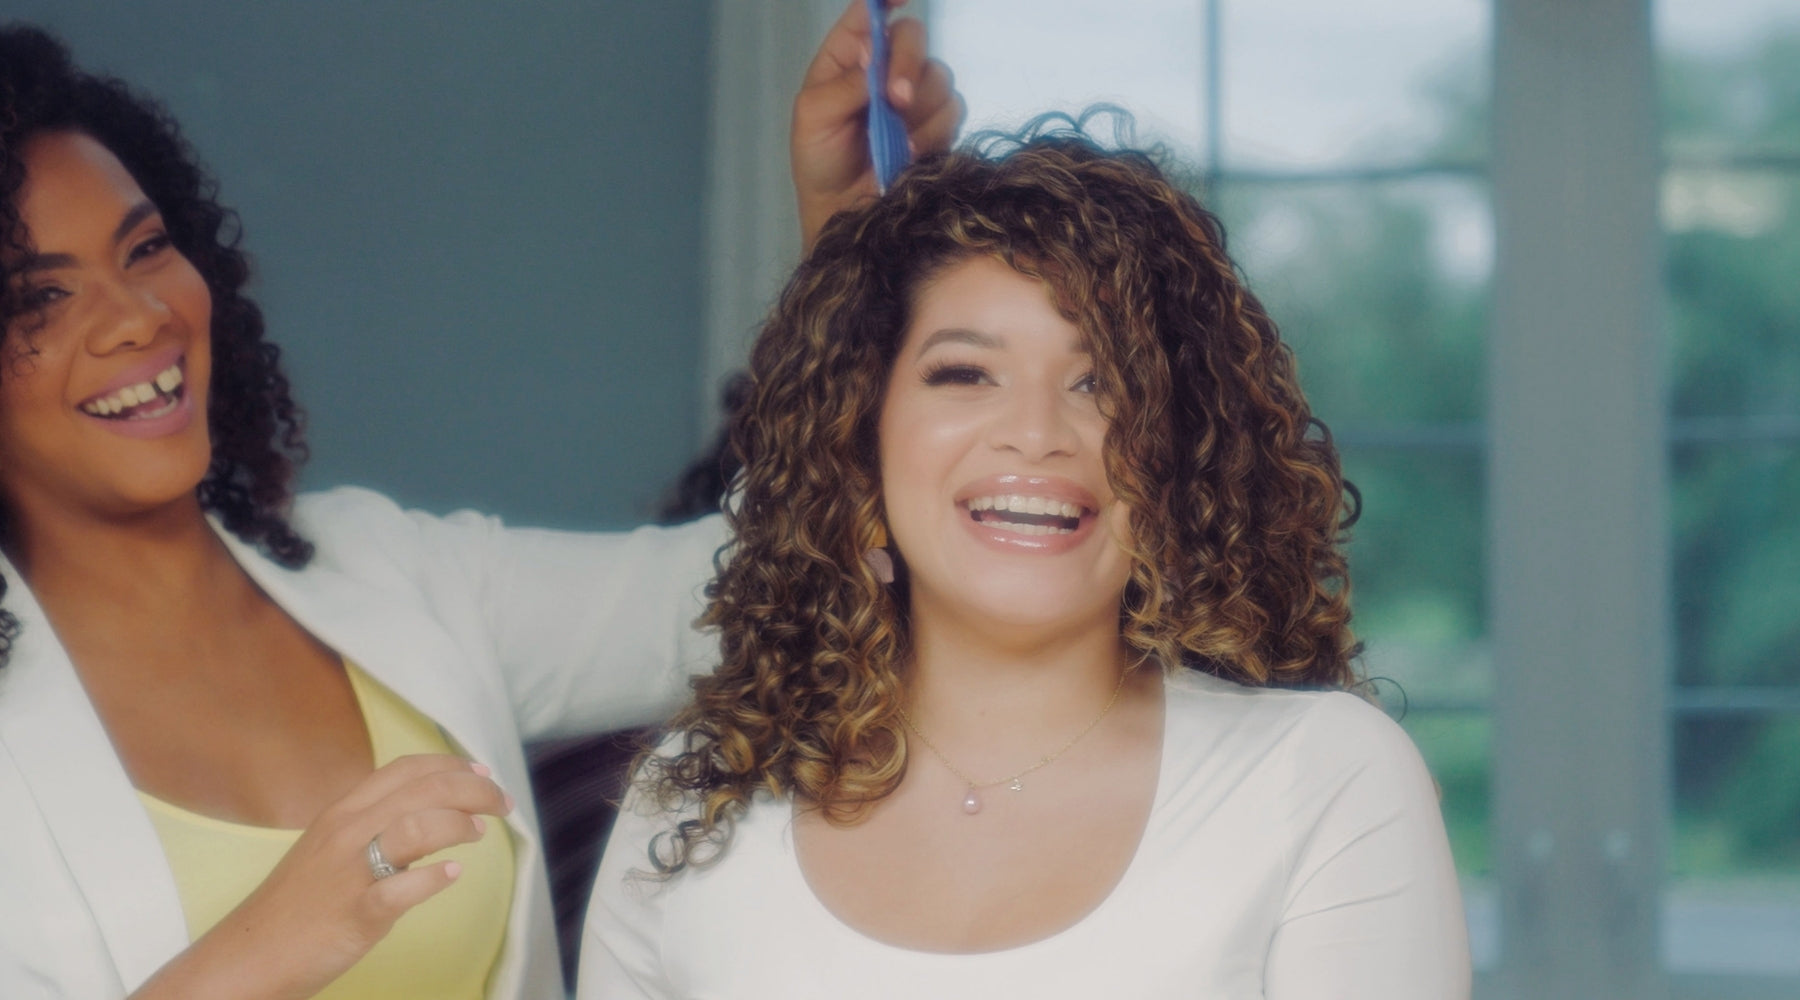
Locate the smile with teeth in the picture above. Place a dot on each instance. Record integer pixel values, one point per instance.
(1026, 515)
(141, 401)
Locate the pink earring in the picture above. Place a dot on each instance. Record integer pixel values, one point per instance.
(878, 558)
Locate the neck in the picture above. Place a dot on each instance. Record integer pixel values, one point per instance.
(168, 558)
(972, 683)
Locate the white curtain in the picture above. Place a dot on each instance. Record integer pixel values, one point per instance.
(760, 52)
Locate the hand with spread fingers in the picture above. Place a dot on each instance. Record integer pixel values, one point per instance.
(830, 143)
(339, 889)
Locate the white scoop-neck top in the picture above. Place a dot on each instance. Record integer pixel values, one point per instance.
(1294, 851)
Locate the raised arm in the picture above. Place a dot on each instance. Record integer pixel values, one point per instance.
(830, 145)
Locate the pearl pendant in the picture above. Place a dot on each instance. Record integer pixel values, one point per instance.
(971, 803)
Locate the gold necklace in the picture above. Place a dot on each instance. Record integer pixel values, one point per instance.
(971, 802)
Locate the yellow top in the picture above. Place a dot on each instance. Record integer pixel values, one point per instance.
(443, 948)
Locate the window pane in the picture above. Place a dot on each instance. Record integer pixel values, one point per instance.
(1017, 58)
(1735, 904)
(1737, 797)
(1417, 569)
(1380, 288)
(1730, 77)
(1320, 84)
(1456, 746)
(1737, 565)
(1733, 264)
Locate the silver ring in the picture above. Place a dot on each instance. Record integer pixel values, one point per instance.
(379, 866)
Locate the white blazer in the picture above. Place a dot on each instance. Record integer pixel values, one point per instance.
(499, 635)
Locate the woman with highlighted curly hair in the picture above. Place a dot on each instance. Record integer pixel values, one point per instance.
(1036, 637)
(253, 744)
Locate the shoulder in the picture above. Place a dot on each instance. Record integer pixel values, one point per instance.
(649, 808)
(1193, 695)
(324, 508)
(643, 854)
(348, 516)
(655, 804)
(656, 811)
(1309, 738)
(349, 524)
(364, 533)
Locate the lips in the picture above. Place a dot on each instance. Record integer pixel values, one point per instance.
(1028, 515)
(1029, 512)
(150, 400)
(154, 397)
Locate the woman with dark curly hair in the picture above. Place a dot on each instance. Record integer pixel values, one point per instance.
(1036, 637)
(239, 731)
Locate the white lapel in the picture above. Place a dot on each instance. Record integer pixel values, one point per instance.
(106, 840)
(389, 633)
(84, 796)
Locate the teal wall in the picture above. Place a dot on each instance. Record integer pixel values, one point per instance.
(476, 226)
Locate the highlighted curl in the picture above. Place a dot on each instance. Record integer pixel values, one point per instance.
(1238, 507)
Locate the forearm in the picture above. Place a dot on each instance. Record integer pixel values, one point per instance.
(829, 143)
(213, 969)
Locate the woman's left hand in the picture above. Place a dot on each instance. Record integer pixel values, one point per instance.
(830, 143)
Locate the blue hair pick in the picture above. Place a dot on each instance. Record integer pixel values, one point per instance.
(887, 133)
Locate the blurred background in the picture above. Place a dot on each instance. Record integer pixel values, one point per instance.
(1539, 260)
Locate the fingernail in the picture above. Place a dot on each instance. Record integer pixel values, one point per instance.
(902, 90)
(479, 768)
(480, 826)
(452, 869)
(509, 801)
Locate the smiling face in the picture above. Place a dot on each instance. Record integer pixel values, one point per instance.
(103, 389)
(992, 458)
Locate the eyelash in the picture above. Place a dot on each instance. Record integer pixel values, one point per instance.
(954, 373)
(150, 247)
(962, 373)
(40, 297)
(45, 295)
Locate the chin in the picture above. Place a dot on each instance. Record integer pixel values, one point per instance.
(167, 484)
(1044, 613)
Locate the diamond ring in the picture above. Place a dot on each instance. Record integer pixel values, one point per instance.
(379, 866)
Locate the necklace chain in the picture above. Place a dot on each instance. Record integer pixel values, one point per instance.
(1012, 779)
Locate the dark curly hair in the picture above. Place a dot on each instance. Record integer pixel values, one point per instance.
(256, 426)
(1238, 508)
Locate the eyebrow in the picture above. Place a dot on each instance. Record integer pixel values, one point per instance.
(976, 338)
(51, 261)
(139, 212)
(961, 335)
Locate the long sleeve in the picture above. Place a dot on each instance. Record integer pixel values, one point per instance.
(591, 631)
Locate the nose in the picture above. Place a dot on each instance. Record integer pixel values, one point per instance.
(129, 316)
(1034, 421)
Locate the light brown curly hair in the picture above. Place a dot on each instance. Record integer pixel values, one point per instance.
(1238, 508)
